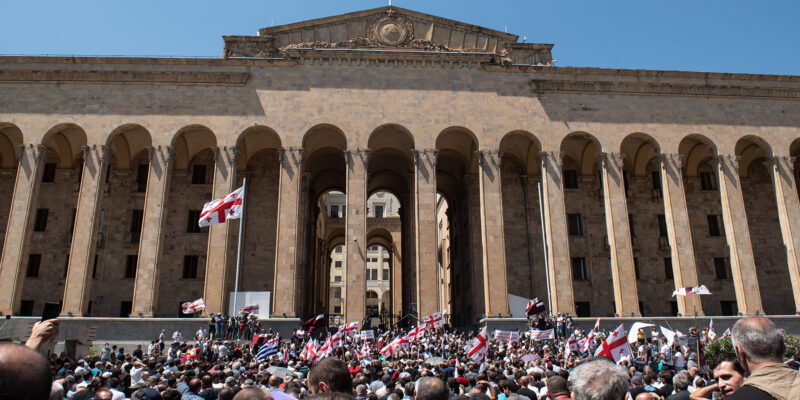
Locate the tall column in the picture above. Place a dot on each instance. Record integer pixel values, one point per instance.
(427, 271)
(355, 290)
(472, 230)
(737, 233)
(285, 291)
(559, 268)
(396, 274)
(82, 250)
(151, 249)
(18, 231)
(215, 291)
(495, 285)
(623, 273)
(789, 216)
(525, 181)
(679, 232)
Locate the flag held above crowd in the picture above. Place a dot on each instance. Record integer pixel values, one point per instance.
(615, 346)
(702, 289)
(534, 307)
(191, 307)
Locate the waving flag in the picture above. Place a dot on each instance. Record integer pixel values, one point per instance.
(702, 289)
(615, 346)
(587, 342)
(479, 347)
(191, 307)
(435, 320)
(711, 334)
(416, 333)
(222, 209)
(314, 323)
(534, 307)
(335, 340)
(363, 353)
(268, 349)
(536, 334)
(351, 329)
(309, 350)
(394, 347)
(726, 333)
(572, 345)
(323, 351)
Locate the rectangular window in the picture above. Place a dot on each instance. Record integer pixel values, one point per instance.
(574, 225)
(721, 268)
(707, 181)
(40, 224)
(136, 225)
(337, 309)
(662, 225)
(34, 261)
(337, 293)
(386, 260)
(130, 266)
(583, 309)
(190, 267)
(728, 307)
(570, 179)
(641, 308)
(49, 174)
(337, 264)
(636, 268)
(656, 179)
(339, 249)
(199, 174)
(141, 177)
(673, 308)
(94, 267)
(337, 278)
(378, 211)
(344, 211)
(100, 224)
(334, 213)
(386, 274)
(668, 269)
(192, 224)
(125, 309)
(714, 228)
(26, 308)
(578, 268)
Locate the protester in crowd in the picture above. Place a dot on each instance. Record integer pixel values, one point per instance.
(598, 379)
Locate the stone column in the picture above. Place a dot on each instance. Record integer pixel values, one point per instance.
(525, 181)
(679, 232)
(782, 169)
(215, 291)
(495, 285)
(84, 233)
(396, 273)
(559, 268)
(427, 271)
(285, 290)
(737, 233)
(18, 231)
(472, 230)
(623, 274)
(355, 290)
(145, 289)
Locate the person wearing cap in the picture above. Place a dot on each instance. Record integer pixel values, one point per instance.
(146, 394)
(637, 386)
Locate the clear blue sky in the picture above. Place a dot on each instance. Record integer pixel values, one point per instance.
(699, 35)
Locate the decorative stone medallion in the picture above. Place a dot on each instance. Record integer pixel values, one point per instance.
(392, 31)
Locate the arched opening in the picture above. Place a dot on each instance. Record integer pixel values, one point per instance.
(10, 139)
(457, 183)
(382, 273)
(54, 218)
(712, 256)
(769, 254)
(651, 252)
(120, 221)
(520, 177)
(588, 243)
(185, 243)
(338, 260)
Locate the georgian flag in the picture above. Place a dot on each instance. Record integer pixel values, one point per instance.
(702, 289)
(367, 334)
(479, 347)
(711, 334)
(416, 333)
(191, 307)
(222, 209)
(323, 351)
(615, 346)
(350, 329)
(335, 341)
(309, 350)
(534, 307)
(587, 342)
(511, 336)
(395, 346)
(435, 320)
(363, 353)
(572, 345)
(726, 333)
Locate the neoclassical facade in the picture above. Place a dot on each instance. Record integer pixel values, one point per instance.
(599, 190)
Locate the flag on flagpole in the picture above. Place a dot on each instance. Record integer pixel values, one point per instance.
(726, 333)
(711, 334)
(351, 329)
(268, 349)
(588, 341)
(224, 208)
(191, 307)
(368, 334)
(314, 323)
(615, 346)
(435, 320)
(534, 307)
(536, 334)
(479, 347)
(702, 289)
(309, 350)
(572, 345)
(416, 333)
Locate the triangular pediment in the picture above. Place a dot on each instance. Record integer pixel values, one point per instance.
(390, 27)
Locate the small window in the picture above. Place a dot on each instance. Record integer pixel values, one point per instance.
(94, 266)
(728, 308)
(656, 180)
(714, 228)
(378, 211)
(130, 266)
(337, 278)
(707, 181)
(578, 268)
(339, 249)
(636, 269)
(102, 219)
(337, 264)
(385, 260)
(40, 224)
(34, 261)
(26, 308)
(386, 274)
(344, 211)
(668, 275)
(337, 309)
(583, 309)
(125, 309)
(141, 177)
(641, 308)
(574, 225)
(337, 293)
(192, 224)
(49, 173)
(190, 267)
(662, 225)
(570, 179)
(673, 308)
(721, 268)
(334, 213)
(137, 217)
(199, 174)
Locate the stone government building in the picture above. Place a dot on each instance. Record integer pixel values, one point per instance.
(650, 180)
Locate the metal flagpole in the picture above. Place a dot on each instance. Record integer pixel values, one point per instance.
(544, 246)
(239, 250)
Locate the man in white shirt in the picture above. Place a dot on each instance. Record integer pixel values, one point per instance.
(177, 336)
(666, 353)
(136, 372)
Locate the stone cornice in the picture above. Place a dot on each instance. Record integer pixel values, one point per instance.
(158, 77)
(388, 58)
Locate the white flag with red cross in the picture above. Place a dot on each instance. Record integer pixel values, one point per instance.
(416, 333)
(587, 342)
(222, 209)
(351, 329)
(615, 346)
(572, 346)
(479, 347)
(395, 346)
(191, 307)
(309, 350)
(434, 320)
(711, 334)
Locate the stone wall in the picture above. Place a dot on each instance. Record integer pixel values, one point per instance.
(7, 178)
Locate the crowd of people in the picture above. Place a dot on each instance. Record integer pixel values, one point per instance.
(435, 363)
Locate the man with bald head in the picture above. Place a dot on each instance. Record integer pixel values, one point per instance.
(195, 385)
(760, 349)
(24, 374)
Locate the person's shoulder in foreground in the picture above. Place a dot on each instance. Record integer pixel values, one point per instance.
(598, 379)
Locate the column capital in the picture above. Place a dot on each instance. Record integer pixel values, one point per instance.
(231, 153)
(287, 154)
(782, 162)
(37, 150)
(484, 157)
(351, 154)
(555, 158)
(420, 155)
(616, 160)
(725, 161)
(675, 159)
